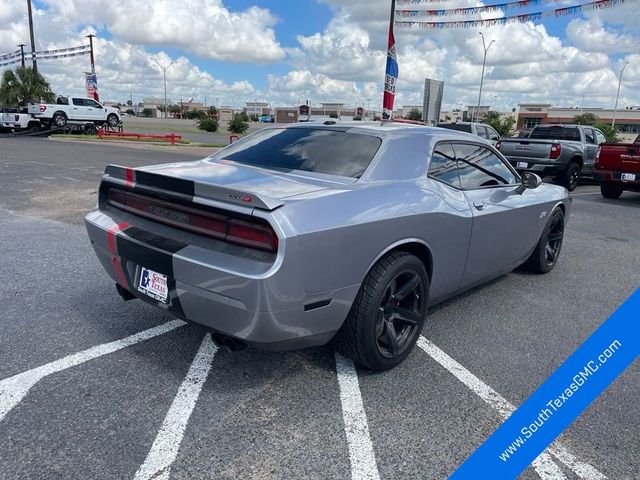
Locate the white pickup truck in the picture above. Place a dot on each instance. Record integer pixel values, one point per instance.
(74, 109)
(17, 119)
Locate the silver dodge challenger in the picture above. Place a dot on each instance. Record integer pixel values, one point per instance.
(299, 235)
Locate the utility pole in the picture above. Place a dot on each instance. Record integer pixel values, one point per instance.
(33, 38)
(93, 63)
(164, 76)
(484, 61)
(22, 45)
(615, 108)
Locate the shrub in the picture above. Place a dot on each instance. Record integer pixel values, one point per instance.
(208, 124)
(333, 115)
(238, 124)
(357, 118)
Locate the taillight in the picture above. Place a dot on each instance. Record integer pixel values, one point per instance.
(556, 149)
(250, 234)
(42, 108)
(598, 155)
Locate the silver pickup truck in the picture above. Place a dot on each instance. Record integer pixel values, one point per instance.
(565, 152)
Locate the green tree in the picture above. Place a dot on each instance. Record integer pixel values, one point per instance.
(213, 111)
(502, 125)
(147, 112)
(238, 124)
(585, 119)
(131, 112)
(415, 115)
(208, 124)
(24, 86)
(244, 116)
(174, 109)
(609, 132)
(194, 114)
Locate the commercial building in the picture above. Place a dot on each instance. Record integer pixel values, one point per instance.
(532, 114)
(432, 105)
(257, 108)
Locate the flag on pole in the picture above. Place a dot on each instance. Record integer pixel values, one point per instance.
(91, 82)
(391, 77)
(391, 74)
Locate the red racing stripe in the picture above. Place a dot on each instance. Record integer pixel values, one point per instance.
(128, 181)
(111, 245)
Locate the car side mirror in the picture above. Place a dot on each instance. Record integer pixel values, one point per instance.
(530, 181)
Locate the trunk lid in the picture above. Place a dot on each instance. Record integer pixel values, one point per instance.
(619, 157)
(228, 182)
(526, 148)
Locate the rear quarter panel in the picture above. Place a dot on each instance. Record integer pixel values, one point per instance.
(340, 236)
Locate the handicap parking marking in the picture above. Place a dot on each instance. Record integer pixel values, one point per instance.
(544, 465)
(15, 388)
(165, 447)
(361, 455)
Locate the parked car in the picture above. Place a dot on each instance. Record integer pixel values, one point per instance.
(480, 129)
(298, 234)
(265, 119)
(618, 168)
(565, 152)
(74, 109)
(18, 119)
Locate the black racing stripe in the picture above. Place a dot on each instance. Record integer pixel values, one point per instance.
(139, 255)
(156, 241)
(164, 182)
(153, 258)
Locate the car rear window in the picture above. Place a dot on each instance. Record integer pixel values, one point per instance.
(456, 126)
(336, 152)
(556, 133)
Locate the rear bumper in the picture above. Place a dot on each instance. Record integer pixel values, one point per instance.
(615, 176)
(263, 305)
(535, 165)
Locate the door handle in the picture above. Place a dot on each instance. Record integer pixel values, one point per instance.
(478, 204)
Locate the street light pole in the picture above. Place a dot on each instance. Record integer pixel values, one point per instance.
(484, 61)
(164, 77)
(615, 108)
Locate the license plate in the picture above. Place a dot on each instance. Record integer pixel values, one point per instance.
(153, 284)
(522, 165)
(628, 177)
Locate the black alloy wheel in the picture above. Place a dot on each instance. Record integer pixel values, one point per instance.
(388, 313)
(400, 314)
(554, 240)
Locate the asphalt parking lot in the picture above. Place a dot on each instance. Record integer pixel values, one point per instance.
(93, 387)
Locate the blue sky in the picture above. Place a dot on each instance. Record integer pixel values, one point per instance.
(282, 51)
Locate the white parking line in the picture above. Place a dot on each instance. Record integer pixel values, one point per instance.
(544, 465)
(165, 447)
(361, 456)
(14, 389)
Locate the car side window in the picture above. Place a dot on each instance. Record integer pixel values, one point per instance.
(493, 135)
(589, 136)
(78, 102)
(443, 166)
(94, 104)
(479, 167)
(482, 132)
(600, 138)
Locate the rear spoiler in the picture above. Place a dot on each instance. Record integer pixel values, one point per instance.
(131, 178)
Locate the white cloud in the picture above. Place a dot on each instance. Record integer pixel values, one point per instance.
(591, 35)
(205, 28)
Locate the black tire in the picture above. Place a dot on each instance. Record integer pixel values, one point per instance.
(112, 120)
(570, 177)
(545, 256)
(59, 119)
(383, 311)
(90, 129)
(611, 190)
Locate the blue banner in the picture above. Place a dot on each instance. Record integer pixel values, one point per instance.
(560, 399)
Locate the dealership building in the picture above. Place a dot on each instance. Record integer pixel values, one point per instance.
(532, 114)
(432, 105)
